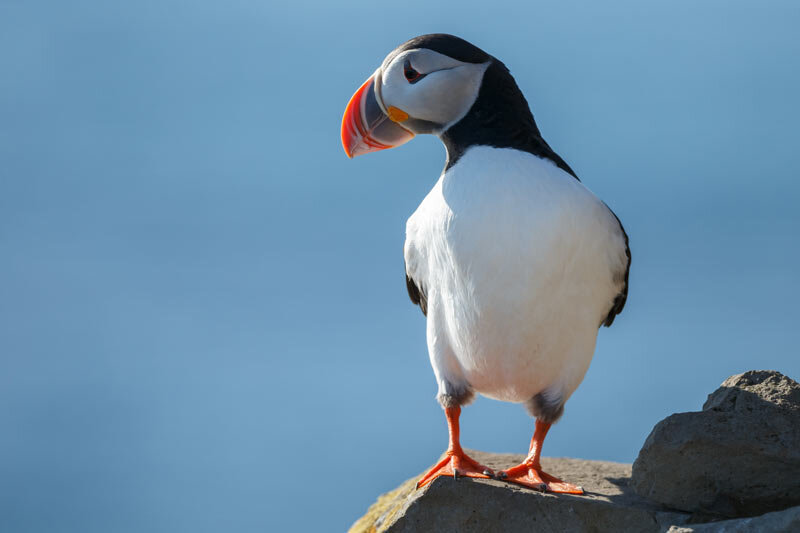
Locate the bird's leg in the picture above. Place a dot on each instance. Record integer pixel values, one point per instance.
(455, 463)
(529, 473)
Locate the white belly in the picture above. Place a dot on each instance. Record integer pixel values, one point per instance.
(520, 263)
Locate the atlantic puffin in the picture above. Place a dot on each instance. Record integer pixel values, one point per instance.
(514, 262)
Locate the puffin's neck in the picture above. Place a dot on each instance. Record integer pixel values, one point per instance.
(500, 117)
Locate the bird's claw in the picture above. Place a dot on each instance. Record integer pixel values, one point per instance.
(534, 478)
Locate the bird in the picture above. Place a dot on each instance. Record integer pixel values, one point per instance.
(514, 262)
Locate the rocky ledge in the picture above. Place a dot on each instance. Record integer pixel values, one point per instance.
(487, 505)
(689, 477)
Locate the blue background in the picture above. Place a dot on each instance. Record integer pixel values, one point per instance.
(203, 320)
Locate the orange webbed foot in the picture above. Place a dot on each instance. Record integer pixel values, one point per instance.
(456, 464)
(533, 477)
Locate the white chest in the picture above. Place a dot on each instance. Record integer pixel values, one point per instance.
(518, 262)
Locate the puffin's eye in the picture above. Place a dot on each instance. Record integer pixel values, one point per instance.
(411, 75)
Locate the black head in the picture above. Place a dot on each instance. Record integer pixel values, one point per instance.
(444, 85)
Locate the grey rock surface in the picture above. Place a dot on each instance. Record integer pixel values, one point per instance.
(740, 456)
(754, 391)
(486, 505)
(786, 521)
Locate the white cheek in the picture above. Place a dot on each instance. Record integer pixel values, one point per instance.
(442, 97)
(450, 94)
(397, 92)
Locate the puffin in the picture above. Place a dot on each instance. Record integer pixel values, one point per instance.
(513, 261)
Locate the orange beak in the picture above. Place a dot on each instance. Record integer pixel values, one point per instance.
(366, 127)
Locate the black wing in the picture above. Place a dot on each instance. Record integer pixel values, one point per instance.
(417, 294)
(622, 297)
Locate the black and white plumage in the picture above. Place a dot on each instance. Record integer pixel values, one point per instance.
(518, 264)
(515, 263)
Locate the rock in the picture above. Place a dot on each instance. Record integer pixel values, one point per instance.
(487, 505)
(785, 521)
(754, 391)
(740, 456)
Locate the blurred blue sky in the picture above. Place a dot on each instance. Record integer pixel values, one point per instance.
(203, 318)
